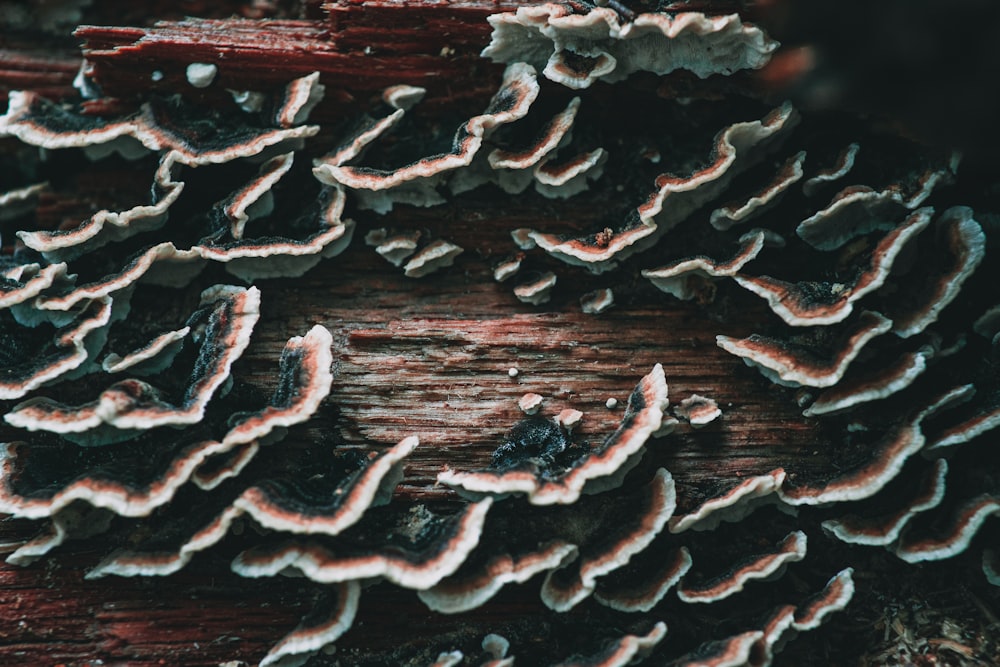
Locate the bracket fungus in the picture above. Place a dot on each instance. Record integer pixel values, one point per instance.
(414, 549)
(577, 49)
(674, 198)
(807, 304)
(839, 169)
(698, 410)
(794, 365)
(225, 321)
(537, 459)
(789, 174)
(792, 548)
(144, 416)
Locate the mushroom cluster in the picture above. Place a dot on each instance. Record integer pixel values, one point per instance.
(881, 304)
(879, 318)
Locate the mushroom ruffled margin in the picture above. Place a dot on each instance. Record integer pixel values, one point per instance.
(443, 559)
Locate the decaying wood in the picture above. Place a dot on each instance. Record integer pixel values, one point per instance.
(431, 358)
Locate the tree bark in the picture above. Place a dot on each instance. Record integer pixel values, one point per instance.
(425, 357)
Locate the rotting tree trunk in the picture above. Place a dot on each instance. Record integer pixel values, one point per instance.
(431, 358)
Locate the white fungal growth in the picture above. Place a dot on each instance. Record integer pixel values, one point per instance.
(578, 49)
(569, 418)
(597, 301)
(530, 403)
(538, 291)
(437, 255)
(201, 75)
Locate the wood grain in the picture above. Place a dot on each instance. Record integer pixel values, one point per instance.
(430, 357)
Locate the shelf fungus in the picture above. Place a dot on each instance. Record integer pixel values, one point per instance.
(838, 170)
(794, 365)
(689, 278)
(858, 210)
(133, 477)
(332, 616)
(737, 214)
(642, 585)
(21, 282)
(224, 324)
(15, 202)
(572, 582)
(575, 545)
(149, 358)
(548, 139)
(961, 246)
(142, 414)
(882, 462)
(758, 566)
(883, 529)
(698, 410)
(813, 303)
(577, 49)
(107, 226)
(517, 92)
(624, 651)
(159, 126)
(413, 548)
(600, 648)
(394, 247)
(961, 526)
(777, 628)
(538, 290)
(732, 504)
(435, 255)
(736, 148)
(598, 301)
(537, 458)
(46, 354)
(328, 503)
(857, 388)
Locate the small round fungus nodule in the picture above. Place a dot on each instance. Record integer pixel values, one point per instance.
(569, 418)
(496, 645)
(201, 75)
(512, 372)
(611, 403)
(530, 403)
(157, 75)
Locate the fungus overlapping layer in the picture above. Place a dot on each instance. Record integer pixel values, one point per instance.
(806, 304)
(874, 272)
(574, 545)
(577, 49)
(539, 461)
(330, 618)
(673, 198)
(758, 566)
(869, 278)
(225, 322)
(107, 226)
(686, 278)
(62, 351)
(839, 169)
(604, 647)
(517, 92)
(768, 197)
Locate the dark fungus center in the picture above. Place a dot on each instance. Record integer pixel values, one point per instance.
(533, 440)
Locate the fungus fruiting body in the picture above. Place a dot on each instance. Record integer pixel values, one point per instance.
(841, 294)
